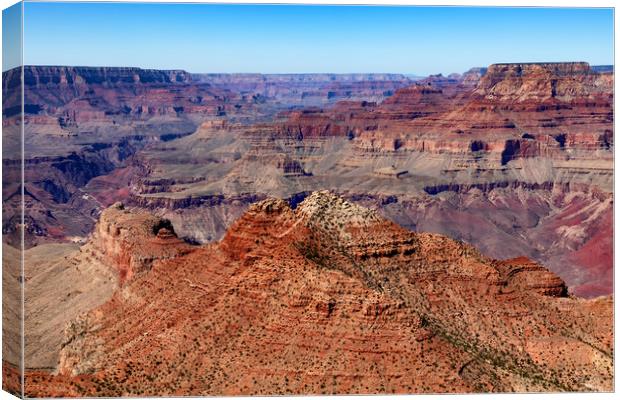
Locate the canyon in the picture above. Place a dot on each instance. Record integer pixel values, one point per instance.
(205, 222)
(327, 297)
(82, 126)
(525, 173)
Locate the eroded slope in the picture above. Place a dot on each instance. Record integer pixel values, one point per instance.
(332, 298)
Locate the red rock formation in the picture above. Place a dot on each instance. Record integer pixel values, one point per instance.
(83, 122)
(331, 298)
(522, 274)
(541, 83)
(76, 95)
(522, 110)
(132, 242)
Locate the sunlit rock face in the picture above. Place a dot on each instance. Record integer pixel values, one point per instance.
(205, 223)
(334, 288)
(516, 153)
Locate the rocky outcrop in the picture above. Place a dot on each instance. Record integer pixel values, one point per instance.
(542, 82)
(38, 76)
(523, 274)
(499, 188)
(82, 123)
(332, 288)
(76, 337)
(78, 96)
(520, 110)
(132, 242)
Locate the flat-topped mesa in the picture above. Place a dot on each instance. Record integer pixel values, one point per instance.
(48, 87)
(65, 75)
(66, 98)
(564, 82)
(558, 68)
(130, 241)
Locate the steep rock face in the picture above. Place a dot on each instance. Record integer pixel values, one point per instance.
(471, 77)
(544, 200)
(563, 82)
(315, 123)
(82, 123)
(37, 76)
(414, 102)
(81, 94)
(522, 110)
(331, 298)
(554, 225)
(455, 85)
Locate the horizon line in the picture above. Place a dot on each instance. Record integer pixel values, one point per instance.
(301, 73)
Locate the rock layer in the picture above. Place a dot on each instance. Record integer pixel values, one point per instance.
(331, 298)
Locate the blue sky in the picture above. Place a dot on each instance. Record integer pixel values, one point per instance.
(278, 39)
(11, 35)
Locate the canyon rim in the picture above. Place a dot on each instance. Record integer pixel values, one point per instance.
(179, 232)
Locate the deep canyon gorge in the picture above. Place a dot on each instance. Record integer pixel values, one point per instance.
(204, 222)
